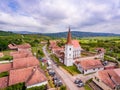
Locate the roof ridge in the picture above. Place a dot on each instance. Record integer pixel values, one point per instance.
(33, 71)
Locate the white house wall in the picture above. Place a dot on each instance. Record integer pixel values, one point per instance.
(92, 70)
(38, 84)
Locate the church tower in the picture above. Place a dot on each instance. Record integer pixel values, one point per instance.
(68, 58)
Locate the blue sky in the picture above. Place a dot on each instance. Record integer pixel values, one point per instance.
(48, 16)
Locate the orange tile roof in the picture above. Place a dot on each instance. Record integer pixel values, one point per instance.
(109, 77)
(75, 43)
(30, 76)
(3, 82)
(25, 62)
(5, 67)
(90, 64)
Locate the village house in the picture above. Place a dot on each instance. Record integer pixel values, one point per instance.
(20, 54)
(100, 53)
(25, 62)
(12, 46)
(32, 76)
(23, 68)
(54, 47)
(89, 66)
(25, 46)
(108, 79)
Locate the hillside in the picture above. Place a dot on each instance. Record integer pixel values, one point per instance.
(79, 34)
(75, 34)
(6, 33)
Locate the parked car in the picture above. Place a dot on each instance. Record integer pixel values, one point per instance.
(77, 81)
(55, 78)
(80, 84)
(49, 67)
(51, 72)
(58, 83)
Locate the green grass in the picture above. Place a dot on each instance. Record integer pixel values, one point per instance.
(87, 87)
(3, 74)
(43, 66)
(38, 50)
(109, 58)
(6, 58)
(71, 69)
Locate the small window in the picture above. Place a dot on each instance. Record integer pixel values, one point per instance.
(70, 49)
(69, 54)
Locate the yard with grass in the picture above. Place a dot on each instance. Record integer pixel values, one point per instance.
(3, 74)
(71, 69)
(38, 51)
(87, 87)
(6, 57)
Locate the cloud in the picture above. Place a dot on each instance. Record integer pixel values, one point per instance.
(57, 15)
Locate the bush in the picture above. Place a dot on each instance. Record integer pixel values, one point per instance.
(19, 86)
(63, 88)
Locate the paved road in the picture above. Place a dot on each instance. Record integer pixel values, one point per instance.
(84, 78)
(68, 80)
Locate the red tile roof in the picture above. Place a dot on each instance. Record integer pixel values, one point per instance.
(117, 71)
(36, 77)
(25, 62)
(24, 46)
(53, 44)
(21, 55)
(109, 77)
(5, 67)
(19, 52)
(3, 82)
(19, 75)
(30, 76)
(75, 44)
(12, 46)
(90, 64)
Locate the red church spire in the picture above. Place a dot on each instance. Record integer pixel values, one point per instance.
(69, 39)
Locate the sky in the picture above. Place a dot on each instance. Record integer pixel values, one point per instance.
(50, 16)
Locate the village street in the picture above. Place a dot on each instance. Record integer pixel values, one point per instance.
(67, 79)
